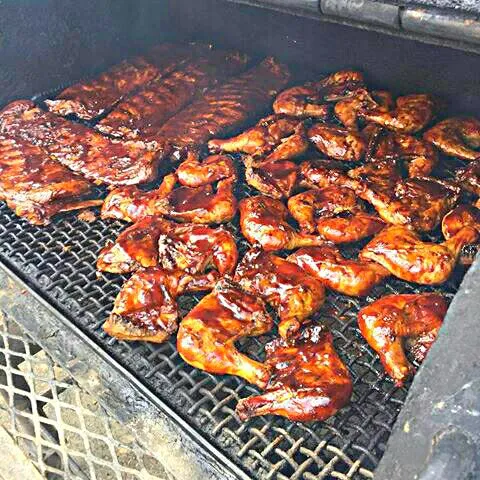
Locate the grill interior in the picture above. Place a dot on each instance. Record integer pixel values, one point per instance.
(59, 260)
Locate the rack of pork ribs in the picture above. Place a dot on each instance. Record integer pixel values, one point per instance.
(334, 165)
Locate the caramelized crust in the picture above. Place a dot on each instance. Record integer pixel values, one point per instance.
(460, 217)
(469, 177)
(401, 251)
(282, 284)
(36, 187)
(78, 147)
(207, 335)
(157, 241)
(225, 108)
(143, 113)
(350, 277)
(309, 381)
(263, 220)
(92, 98)
(391, 320)
(146, 309)
(194, 173)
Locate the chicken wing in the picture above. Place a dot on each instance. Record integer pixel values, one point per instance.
(277, 179)
(310, 100)
(419, 157)
(337, 143)
(207, 335)
(401, 251)
(258, 140)
(157, 241)
(145, 308)
(349, 277)
(194, 173)
(347, 110)
(392, 319)
(282, 284)
(469, 177)
(317, 210)
(263, 220)
(131, 204)
(309, 380)
(456, 137)
(412, 114)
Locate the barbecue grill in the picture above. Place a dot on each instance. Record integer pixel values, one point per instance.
(61, 42)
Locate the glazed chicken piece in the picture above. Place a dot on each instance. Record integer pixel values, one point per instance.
(412, 114)
(194, 173)
(207, 335)
(310, 100)
(347, 110)
(131, 204)
(201, 204)
(322, 173)
(469, 177)
(349, 277)
(456, 137)
(337, 143)
(309, 380)
(396, 322)
(157, 241)
(317, 210)
(419, 157)
(145, 308)
(277, 179)
(185, 204)
(260, 139)
(263, 220)
(282, 284)
(460, 217)
(402, 252)
(420, 202)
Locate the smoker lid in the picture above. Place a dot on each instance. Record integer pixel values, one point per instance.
(453, 23)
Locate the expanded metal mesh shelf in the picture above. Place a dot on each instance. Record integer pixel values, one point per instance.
(58, 261)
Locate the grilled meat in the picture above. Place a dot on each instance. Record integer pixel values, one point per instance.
(145, 308)
(469, 177)
(412, 114)
(263, 220)
(334, 213)
(201, 204)
(258, 140)
(309, 381)
(36, 187)
(207, 335)
(92, 98)
(395, 322)
(194, 173)
(349, 277)
(225, 108)
(347, 109)
(401, 251)
(460, 217)
(310, 100)
(143, 113)
(78, 147)
(131, 204)
(456, 137)
(418, 156)
(322, 173)
(277, 179)
(157, 241)
(337, 143)
(282, 284)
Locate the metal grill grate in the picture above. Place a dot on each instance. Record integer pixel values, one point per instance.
(64, 432)
(59, 262)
